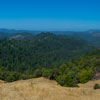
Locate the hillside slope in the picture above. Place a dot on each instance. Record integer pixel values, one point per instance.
(45, 50)
(44, 89)
(91, 36)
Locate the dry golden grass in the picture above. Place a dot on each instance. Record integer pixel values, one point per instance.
(44, 89)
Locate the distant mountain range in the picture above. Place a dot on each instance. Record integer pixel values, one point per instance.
(16, 31)
(90, 36)
(4, 30)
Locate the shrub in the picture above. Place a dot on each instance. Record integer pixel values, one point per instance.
(51, 74)
(67, 81)
(61, 79)
(37, 73)
(96, 86)
(13, 76)
(85, 76)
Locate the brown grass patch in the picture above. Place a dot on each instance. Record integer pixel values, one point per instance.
(44, 89)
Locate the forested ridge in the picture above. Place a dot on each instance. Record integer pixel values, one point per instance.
(75, 71)
(48, 55)
(45, 50)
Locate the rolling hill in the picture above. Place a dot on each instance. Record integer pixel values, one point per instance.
(43, 50)
(14, 31)
(92, 37)
(44, 89)
(21, 36)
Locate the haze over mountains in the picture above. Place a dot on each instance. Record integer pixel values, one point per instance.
(90, 36)
(5, 30)
(16, 31)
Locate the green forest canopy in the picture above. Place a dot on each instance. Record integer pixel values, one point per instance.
(48, 55)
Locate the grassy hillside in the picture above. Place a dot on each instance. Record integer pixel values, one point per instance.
(44, 89)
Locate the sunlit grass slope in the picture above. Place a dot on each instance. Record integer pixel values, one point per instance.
(44, 89)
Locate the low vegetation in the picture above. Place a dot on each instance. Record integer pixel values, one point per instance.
(69, 74)
(96, 86)
(50, 56)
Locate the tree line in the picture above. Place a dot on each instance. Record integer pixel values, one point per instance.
(55, 57)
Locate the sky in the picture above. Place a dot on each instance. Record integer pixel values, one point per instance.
(60, 15)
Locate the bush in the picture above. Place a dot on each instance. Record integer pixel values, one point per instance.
(13, 76)
(67, 81)
(45, 72)
(61, 79)
(51, 74)
(96, 86)
(85, 75)
(37, 73)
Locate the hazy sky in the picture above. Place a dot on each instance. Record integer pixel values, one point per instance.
(50, 14)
